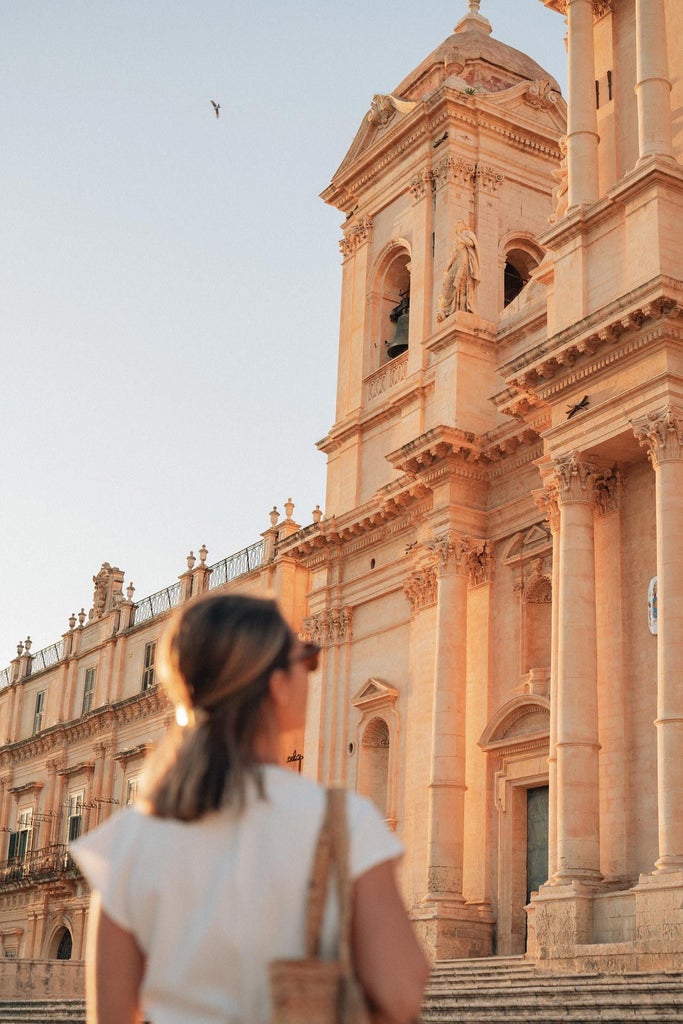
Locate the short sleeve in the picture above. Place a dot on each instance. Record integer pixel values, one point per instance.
(105, 856)
(371, 842)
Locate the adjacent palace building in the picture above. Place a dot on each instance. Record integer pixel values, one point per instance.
(497, 578)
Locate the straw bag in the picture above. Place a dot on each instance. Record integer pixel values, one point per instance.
(315, 991)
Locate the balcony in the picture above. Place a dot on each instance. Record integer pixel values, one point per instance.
(50, 864)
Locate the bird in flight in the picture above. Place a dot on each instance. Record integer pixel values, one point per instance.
(576, 408)
(216, 107)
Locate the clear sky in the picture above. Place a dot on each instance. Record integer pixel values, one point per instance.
(169, 281)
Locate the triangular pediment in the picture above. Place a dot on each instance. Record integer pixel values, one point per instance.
(536, 535)
(374, 692)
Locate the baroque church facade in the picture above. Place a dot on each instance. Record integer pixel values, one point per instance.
(502, 524)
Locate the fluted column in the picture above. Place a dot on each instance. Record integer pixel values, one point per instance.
(578, 844)
(447, 777)
(662, 434)
(653, 86)
(582, 126)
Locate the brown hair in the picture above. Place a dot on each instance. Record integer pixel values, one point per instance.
(216, 658)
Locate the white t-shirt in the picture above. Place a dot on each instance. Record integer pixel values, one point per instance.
(212, 902)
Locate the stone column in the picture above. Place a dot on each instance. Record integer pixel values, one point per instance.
(653, 86)
(577, 747)
(582, 127)
(662, 434)
(547, 500)
(447, 778)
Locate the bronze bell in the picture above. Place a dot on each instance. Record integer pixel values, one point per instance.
(400, 315)
(399, 343)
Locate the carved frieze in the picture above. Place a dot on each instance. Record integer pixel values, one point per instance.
(421, 588)
(541, 95)
(357, 235)
(661, 434)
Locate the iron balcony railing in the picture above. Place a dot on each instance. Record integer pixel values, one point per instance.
(236, 565)
(47, 657)
(38, 866)
(156, 604)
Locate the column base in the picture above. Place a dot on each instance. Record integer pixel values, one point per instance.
(449, 930)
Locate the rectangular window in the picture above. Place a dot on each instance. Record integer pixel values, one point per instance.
(148, 670)
(20, 841)
(38, 713)
(131, 791)
(88, 690)
(74, 822)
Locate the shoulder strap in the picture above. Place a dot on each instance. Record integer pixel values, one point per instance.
(318, 882)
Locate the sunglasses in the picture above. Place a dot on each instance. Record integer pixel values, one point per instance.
(308, 654)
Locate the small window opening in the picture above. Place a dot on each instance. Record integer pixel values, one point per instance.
(609, 85)
(597, 94)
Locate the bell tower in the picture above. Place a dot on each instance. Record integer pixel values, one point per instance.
(444, 191)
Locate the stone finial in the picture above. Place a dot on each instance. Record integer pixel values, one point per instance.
(316, 514)
(191, 560)
(203, 552)
(473, 20)
(72, 620)
(20, 648)
(130, 590)
(81, 618)
(289, 508)
(274, 516)
(27, 644)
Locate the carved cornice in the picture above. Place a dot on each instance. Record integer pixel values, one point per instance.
(421, 588)
(355, 236)
(603, 329)
(661, 433)
(330, 626)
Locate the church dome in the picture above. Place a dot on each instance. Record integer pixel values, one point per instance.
(472, 59)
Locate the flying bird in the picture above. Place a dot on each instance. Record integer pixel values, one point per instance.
(216, 107)
(583, 404)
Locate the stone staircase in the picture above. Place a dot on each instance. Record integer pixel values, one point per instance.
(512, 990)
(42, 1011)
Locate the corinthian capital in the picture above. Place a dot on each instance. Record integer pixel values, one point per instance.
(661, 433)
(421, 588)
(452, 552)
(575, 475)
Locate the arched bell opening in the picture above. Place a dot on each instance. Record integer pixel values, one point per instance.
(518, 266)
(390, 299)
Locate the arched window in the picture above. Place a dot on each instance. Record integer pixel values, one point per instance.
(518, 267)
(61, 945)
(373, 775)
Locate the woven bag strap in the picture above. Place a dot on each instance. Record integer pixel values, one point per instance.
(340, 857)
(318, 882)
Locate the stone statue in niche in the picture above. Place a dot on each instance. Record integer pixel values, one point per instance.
(561, 193)
(107, 592)
(461, 274)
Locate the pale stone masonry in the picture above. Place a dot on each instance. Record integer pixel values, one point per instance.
(496, 580)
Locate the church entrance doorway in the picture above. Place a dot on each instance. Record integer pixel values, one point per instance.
(536, 838)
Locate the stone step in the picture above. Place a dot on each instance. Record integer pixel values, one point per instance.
(512, 991)
(42, 1011)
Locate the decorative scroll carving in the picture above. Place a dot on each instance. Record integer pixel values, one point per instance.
(461, 274)
(421, 588)
(384, 108)
(602, 7)
(539, 588)
(488, 178)
(356, 236)
(108, 592)
(575, 475)
(541, 95)
(332, 626)
(608, 488)
(661, 433)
